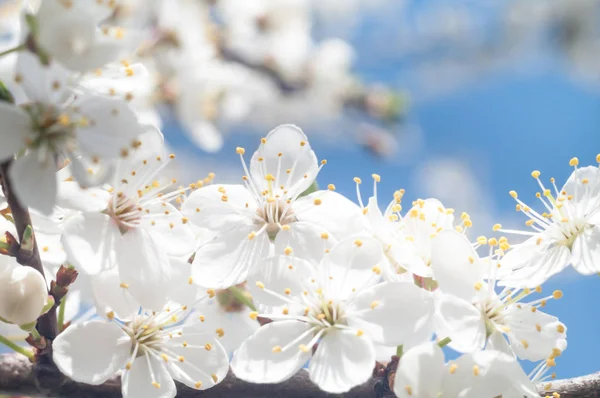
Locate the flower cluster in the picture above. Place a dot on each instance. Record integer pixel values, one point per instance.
(266, 277)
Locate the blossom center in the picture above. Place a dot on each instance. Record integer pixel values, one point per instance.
(274, 214)
(52, 130)
(126, 212)
(146, 335)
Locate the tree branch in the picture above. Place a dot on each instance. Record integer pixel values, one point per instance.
(19, 376)
(47, 325)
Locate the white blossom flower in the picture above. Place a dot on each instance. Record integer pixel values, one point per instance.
(134, 227)
(73, 33)
(246, 218)
(23, 294)
(406, 239)
(331, 314)
(422, 372)
(469, 310)
(56, 124)
(567, 231)
(153, 349)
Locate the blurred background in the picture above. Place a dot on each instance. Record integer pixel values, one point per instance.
(454, 99)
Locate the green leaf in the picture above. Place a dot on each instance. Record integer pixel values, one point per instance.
(28, 241)
(5, 94)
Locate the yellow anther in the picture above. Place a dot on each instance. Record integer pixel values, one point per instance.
(321, 316)
(207, 347)
(513, 194)
(557, 294)
(482, 240)
(452, 368)
(303, 348)
(468, 223)
(263, 140)
(198, 385)
(358, 243)
(155, 384)
(110, 315)
(529, 223)
(331, 187)
(165, 357)
(538, 289)
(214, 377)
(556, 352)
(287, 251)
(240, 151)
(251, 235)
(574, 162)
(317, 202)
(288, 291)
(357, 180)
(538, 327)
(535, 174)
(302, 143)
(547, 192)
(253, 315)
(478, 286)
(376, 177)
(560, 328)
(475, 370)
(277, 348)
(260, 285)
(64, 119)
(190, 280)
(598, 158)
(493, 242)
(550, 362)
(525, 344)
(324, 235)
(359, 332)
(374, 304)
(269, 177)
(497, 227)
(376, 270)
(323, 162)
(128, 366)
(365, 211)
(408, 390)
(211, 293)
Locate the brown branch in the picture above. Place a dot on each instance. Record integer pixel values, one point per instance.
(47, 324)
(19, 376)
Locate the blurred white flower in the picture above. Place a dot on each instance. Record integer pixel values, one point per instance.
(24, 293)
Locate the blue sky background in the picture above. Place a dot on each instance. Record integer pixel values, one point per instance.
(476, 143)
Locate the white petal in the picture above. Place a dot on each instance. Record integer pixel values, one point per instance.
(278, 274)
(533, 264)
(527, 342)
(51, 250)
(34, 183)
(138, 381)
(482, 374)
(24, 293)
(392, 313)
(306, 241)
(455, 264)
(206, 208)
(144, 265)
(299, 158)
(352, 265)
(90, 241)
(584, 196)
(16, 126)
(255, 360)
(112, 125)
(205, 135)
(227, 260)
(586, 251)
(91, 363)
(420, 372)
(172, 231)
(47, 84)
(111, 295)
(181, 289)
(335, 214)
(343, 360)
(461, 321)
(205, 359)
(72, 196)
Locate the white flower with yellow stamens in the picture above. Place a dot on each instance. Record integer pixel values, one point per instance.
(74, 33)
(567, 231)
(152, 348)
(332, 314)
(267, 208)
(468, 310)
(54, 124)
(137, 229)
(406, 239)
(422, 372)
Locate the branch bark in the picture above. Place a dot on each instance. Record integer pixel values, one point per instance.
(47, 325)
(19, 376)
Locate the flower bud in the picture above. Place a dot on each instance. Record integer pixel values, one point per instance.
(23, 293)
